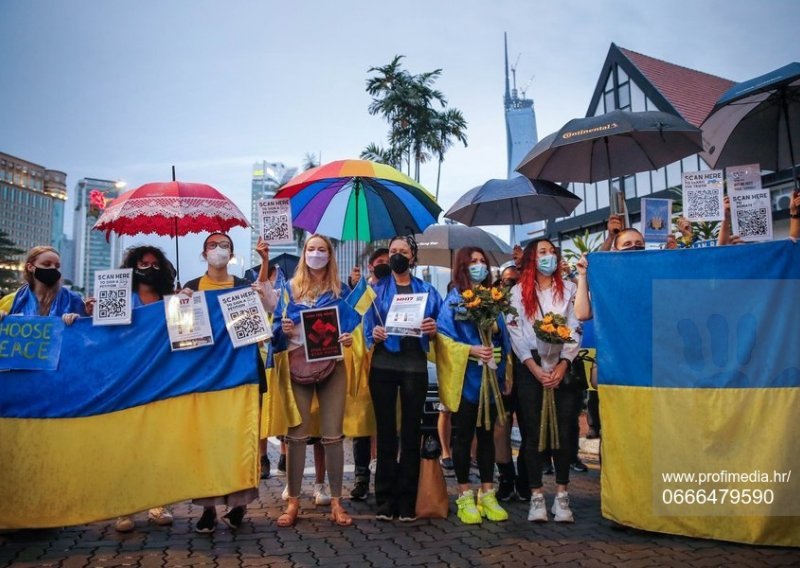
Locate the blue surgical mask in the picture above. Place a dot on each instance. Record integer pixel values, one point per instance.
(478, 272)
(547, 264)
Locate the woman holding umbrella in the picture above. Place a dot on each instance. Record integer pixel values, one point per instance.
(463, 378)
(399, 366)
(315, 284)
(218, 251)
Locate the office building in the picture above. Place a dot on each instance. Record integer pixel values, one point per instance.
(32, 202)
(92, 252)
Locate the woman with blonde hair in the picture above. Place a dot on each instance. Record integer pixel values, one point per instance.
(42, 294)
(315, 284)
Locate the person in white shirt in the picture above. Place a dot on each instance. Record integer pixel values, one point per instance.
(541, 290)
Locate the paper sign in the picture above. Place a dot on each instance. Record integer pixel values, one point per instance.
(656, 219)
(702, 196)
(112, 290)
(751, 215)
(188, 323)
(321, 330)
(30, 343)
(276, 221)
(245, 317)
(743, 178)
(406, 314)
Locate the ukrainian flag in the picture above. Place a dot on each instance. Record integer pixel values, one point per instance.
(362, 297)
(699, 390)
(124, 424)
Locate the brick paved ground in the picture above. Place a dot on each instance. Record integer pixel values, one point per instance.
(315, 541)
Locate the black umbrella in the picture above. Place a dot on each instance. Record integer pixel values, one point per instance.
(287, 262)
(615, 144)
(757, 121)
(513, 201)
(438, 243)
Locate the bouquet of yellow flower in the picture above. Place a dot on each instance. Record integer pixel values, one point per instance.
(482, 306)
(552, 328)
(552, 332)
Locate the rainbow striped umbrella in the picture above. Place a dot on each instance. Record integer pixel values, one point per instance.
(359, 200)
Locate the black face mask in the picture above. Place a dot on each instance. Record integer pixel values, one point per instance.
(632, 248)
(47, 276)
(381, 270)
(147, 276)
(398, 263)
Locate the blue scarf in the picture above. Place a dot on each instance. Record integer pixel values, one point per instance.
(65, 302)
(348, 317)
(385, 290)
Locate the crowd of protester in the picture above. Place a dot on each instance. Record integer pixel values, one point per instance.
(538, 281)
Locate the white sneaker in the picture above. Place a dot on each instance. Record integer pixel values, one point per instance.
(124, 524)
(561, 510)
(160, 516)
(321, 494)
(285, 492)
(538, 510)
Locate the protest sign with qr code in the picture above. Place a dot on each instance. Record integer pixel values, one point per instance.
(703, 196)
(751, 215)
(275, 217)
(245, 317)
(112, 293)
(743, 178)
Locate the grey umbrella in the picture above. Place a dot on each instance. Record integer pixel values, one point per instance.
(513, 201)
(615, 144)
(438, 244)
(757, 121)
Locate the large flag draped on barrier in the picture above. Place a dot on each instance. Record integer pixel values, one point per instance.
(699, 390)
(124, 424)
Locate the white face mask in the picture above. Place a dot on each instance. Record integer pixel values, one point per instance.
(218, 257)
(316, 259)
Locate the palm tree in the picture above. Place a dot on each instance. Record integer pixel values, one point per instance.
(449, 125)
(389, 156)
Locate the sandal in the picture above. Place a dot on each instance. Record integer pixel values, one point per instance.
(339, 515)
(289, 517)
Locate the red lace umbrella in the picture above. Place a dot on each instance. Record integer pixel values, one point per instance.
(172, 208)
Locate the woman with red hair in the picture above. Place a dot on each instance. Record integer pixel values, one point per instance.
(542, 290)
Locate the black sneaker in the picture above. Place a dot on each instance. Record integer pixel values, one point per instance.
(360, 491)
(447, 467)
(548, 469)
(281, 471)
(208, 521)
(264, 467)
(233, 518)
(505, 490)
(385, 512)
(578, 465)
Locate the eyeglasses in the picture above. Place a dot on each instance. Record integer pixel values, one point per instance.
(221, 244)
(143, 264)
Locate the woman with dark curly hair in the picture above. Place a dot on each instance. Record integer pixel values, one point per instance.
(153, 278)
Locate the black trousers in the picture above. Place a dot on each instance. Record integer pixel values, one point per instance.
(529, 393)
(396, 483)
(361, 454)
(464, 428)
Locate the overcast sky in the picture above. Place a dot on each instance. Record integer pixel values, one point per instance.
(123, 90)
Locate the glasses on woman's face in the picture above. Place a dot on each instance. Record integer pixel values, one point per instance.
(144, 265)
(221, 244)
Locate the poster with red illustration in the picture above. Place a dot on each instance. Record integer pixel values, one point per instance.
(321, 330)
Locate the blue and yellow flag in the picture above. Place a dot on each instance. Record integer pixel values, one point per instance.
(362, 297)
(124, 424)
(699, 390)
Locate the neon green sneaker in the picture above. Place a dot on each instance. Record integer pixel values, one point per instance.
(489, 508)
(467, 511)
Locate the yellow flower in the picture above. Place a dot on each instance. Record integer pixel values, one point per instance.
(474, 303)
(467, 294)
(563, 332)
(548, 328)
(496, 294)
(548, 319)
